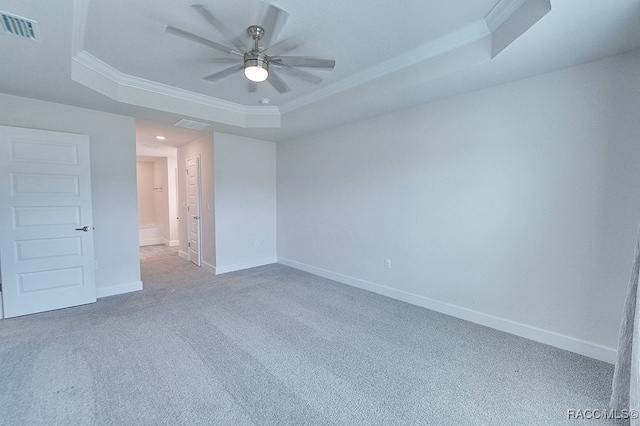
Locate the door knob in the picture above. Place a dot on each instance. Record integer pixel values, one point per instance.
(84, 229)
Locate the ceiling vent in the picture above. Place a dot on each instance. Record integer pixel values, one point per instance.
(19, 26)
(190, 124)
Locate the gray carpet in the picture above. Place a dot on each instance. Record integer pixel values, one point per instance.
(273, 345)
(157, 251)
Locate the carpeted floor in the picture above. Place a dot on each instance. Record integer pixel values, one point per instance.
(157, 251)
(273, 345)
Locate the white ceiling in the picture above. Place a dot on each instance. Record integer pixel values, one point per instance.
(115, 56)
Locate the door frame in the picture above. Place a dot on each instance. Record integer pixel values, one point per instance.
(198, 214)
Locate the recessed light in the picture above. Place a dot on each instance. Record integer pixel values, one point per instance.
(160, 138)
(265, 101)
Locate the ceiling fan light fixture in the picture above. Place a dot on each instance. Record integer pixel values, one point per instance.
(256, 74)
(256, 67)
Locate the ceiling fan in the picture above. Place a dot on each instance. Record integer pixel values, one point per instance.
(258, 66)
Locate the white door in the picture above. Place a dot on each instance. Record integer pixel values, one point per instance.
(46, 249)
(193, 209)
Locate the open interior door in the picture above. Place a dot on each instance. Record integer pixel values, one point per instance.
(46, 249)
(193, 207)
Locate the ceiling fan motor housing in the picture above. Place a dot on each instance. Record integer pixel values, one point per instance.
(252, 59)
(255, 61)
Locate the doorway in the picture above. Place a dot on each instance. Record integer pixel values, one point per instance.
(157, 202)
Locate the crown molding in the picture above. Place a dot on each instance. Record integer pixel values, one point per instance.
(462, 37)
(103, 78)
(501, 12)
(510, 19)
(434, 48)
(97, 75)
(79, 23)
(91, 72)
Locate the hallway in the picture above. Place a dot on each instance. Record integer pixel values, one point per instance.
(157, 252)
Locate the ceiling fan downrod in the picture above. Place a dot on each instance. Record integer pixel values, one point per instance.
(256, 32)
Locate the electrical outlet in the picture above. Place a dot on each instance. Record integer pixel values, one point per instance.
(387, 264)
(256, 243)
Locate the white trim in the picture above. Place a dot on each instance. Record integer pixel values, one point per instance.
(92, 72)
(209, 267)
(558, 340)
(170, 243)
(512, 18)
(245, 265)
(462, 37)
(184, 255)
(118, 289)
(151, 242)
(95, 74)
(501, 12)
(79, 25)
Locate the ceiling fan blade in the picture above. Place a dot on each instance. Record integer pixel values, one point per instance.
(285, 46)
(196, 38)
(277, 82)
(302, 75)
(211, 60)
(235, 41)
(251, 86)
(304, 62)
(224, 73)
(272, 22)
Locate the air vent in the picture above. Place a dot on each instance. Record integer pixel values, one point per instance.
(190, 124)
(19, 26)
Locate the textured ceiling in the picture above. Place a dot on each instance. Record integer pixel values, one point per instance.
(115, 56)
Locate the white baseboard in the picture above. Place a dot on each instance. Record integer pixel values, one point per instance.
(170, 243)
(151, 241)
(118, 289)
(245, 265)
(558, 340)
(209, 267)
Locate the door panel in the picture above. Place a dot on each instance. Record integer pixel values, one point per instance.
(48, 247)
(46, 217)
(30, 282)
(44, 184)
(193, 207)
(46, 252)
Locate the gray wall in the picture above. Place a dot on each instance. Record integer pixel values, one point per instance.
(146, 198)
(514, 206)
(113, 182)
(238, 201)
(245, 176)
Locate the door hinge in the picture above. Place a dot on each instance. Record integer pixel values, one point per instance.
(187, 170)
(189, 244)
